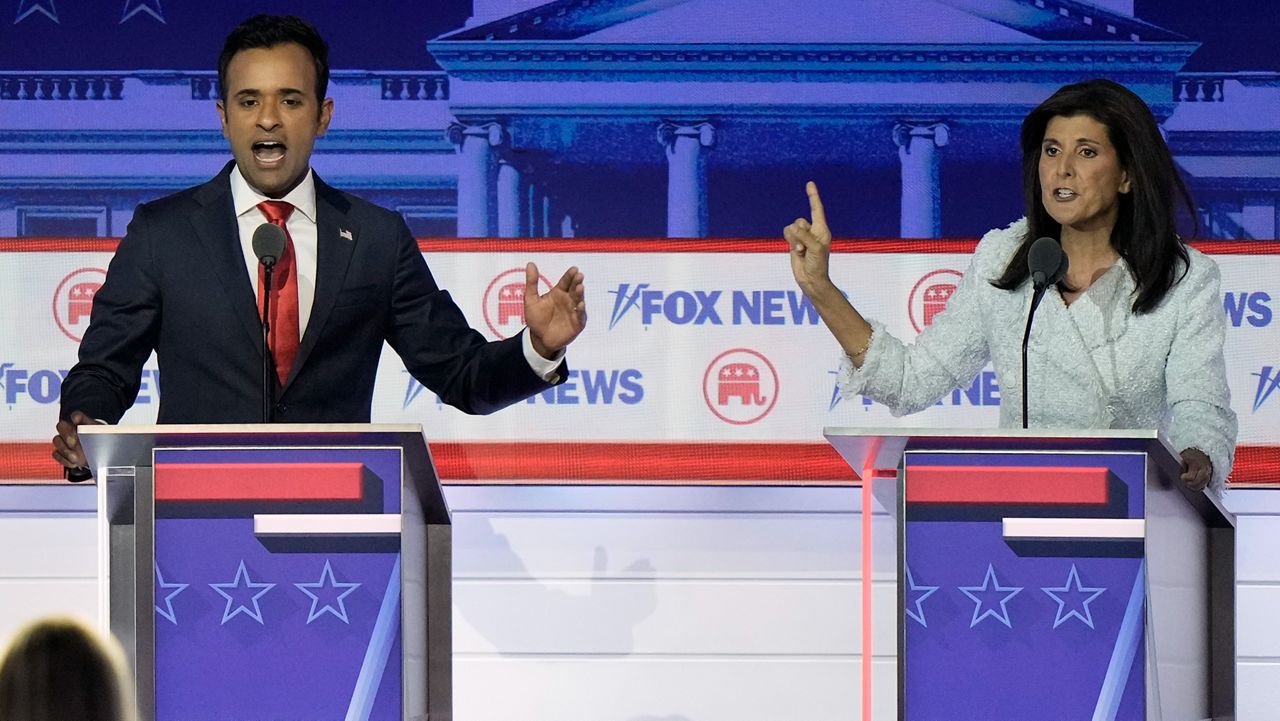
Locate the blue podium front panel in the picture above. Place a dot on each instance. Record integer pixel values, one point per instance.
(251, 625)
(1023, 588)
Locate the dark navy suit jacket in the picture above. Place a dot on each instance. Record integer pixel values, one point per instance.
(177, 285)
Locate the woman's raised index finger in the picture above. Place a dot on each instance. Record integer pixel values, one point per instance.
(819, 216)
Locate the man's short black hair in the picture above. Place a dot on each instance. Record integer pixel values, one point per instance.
(268, 31)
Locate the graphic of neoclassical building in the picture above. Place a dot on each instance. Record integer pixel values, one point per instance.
(678, 118)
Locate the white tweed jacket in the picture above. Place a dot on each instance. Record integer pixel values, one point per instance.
(1093, 364)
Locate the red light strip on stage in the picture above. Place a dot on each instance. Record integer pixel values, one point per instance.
(58, 245)
(259, 481)
(1007, 485)
(682, 245)
(868, 598)
(920, 246)
(624, 463)
(594, 462)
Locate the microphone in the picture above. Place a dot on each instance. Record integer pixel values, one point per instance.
(268, 244)
(1048, 264)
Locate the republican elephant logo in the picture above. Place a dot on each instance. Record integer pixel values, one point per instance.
(740, 386)
(80, 301)
(511, 304)
(503, 302)
(935, 300)
(930, 295)
(73, 300)
(741, 381)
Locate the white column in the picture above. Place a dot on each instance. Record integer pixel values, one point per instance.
(511, 209)
(918, 145)
(686, 147)
(476, 145)
(546, 213)
(533, 194)
(121, 216)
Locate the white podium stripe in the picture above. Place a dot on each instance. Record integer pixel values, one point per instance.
(1120, 529)
(326, 524)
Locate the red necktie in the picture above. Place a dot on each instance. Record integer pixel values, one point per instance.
(284, 288)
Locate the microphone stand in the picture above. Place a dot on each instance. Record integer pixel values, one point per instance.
(1036, 297)
(268, 366)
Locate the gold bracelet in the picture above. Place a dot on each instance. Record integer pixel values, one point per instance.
(866, 347)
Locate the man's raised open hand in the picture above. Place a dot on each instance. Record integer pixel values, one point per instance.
(556, 317)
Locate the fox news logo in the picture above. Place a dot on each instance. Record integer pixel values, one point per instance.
(503, 302)
(983, 392)
(1268, 381)
(582, 387)
(73, 301)
(930, 295)
(1252, 308)
(711, 307)
(740, 386)
(594, 388)
(44, 385)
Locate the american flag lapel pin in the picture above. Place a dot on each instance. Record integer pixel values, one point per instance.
(346, 234)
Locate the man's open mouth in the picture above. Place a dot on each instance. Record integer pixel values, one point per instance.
(268, 151)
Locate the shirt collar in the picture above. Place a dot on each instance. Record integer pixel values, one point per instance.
(245, 198)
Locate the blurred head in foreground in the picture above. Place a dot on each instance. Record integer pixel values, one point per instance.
(60, 669)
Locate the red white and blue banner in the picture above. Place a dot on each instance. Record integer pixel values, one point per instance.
(701, 359)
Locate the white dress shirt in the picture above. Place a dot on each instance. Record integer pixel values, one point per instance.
(302, 230)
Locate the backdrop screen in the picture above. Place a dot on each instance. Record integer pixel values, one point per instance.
(661, 147)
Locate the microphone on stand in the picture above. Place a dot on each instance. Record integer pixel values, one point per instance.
(1048, 265)
(268, 245)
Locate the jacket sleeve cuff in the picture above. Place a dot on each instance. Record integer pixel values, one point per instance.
(545, 368)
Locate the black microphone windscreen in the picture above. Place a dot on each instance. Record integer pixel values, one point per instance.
(268, 243)
(1046, 261)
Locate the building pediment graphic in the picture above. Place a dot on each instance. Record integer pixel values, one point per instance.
(772, 40)
(670, 22)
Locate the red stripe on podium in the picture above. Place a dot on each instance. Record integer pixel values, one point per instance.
(259, 481)
(1007, 485)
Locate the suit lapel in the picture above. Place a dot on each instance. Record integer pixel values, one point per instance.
(336, 238)
(1102, 313)
(1069, 338)
(215, 225)
(1056, 342)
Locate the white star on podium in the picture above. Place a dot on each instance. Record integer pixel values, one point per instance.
(173, 590)
(27, 7)
(1073, 588)
(150, 7)
(242, 606)
(923, 592)
(990, 588)
(327, 582)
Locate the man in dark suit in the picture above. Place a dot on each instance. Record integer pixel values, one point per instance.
(183, 281)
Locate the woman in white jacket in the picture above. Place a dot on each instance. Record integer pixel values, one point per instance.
(1131, 337)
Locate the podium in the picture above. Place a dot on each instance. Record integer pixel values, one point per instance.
(276, 571)
(1012, 574)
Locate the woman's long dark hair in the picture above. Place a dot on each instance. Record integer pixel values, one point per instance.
(1145, 234)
